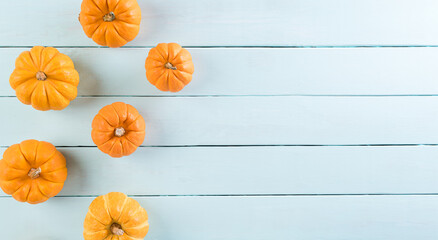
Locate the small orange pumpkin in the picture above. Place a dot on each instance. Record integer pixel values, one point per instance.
(115, 216)
(32, 171)
(169, 67)
(118, 129)
(45, 78)
(110, 23)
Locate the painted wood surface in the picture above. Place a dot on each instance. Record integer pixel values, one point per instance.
(253, 170)
(222, 158)
(256, 71)
(199, 218)
(235, 23)
(239, 121)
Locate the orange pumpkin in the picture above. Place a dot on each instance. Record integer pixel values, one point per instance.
(32, 171)
(118, 129)
(44, 78)
(169, 67)
(110, 23)
(115, 216)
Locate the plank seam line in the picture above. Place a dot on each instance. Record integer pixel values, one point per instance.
(259, 145)
(254, 195)
(249, 46)
(247, 95)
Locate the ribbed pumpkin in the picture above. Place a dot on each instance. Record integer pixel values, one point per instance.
(169, 67)
(45, 78)
(32, 171)
(110, 23)
(115, 216)
(118, 129)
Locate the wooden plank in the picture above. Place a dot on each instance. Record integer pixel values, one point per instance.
(229, 22)
(256, 71)
(238, 121)
(253, 170)
(310, 218)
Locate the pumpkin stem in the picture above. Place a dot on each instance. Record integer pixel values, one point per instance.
(116, 229)
(109, 17)
(169, 65)
(41, 76)
(34, 173)
(119, 132)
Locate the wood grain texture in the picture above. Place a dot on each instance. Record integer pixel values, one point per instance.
(235, 23)
(258, 218)
(256, 71)
(239, 121)
(197, 192)
(253, 170)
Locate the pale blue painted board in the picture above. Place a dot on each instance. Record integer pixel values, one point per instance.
(246, 120)
(253, 170)
(238, 120)
(237, 218)
(255, 71)
(235, 23)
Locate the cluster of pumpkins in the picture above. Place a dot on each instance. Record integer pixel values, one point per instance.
(34, 171)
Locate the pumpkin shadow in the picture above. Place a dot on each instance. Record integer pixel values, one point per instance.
(80, 103)
(89, 81)
(149, 28)
(43, 237)
(76, 177)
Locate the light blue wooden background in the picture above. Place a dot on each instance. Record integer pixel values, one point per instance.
(306, 119)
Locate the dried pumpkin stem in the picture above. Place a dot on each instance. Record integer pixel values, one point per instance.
(109, 17)
(41, 76)
(34, 173)
(116, 229)
(170, 66)
(119, 131)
